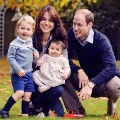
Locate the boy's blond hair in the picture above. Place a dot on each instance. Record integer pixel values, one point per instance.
(28, 19)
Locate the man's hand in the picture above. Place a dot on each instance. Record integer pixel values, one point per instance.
(85, 92)
(83, 78)
(21, 73)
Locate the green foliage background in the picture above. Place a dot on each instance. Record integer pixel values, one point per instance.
(107, 12)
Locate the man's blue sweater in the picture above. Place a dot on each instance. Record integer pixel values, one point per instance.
(97, 59)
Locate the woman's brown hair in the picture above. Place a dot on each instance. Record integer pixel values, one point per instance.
(58, 31)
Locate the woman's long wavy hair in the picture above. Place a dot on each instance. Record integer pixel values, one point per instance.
(58, 31)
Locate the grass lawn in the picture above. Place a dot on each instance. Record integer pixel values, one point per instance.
(95, 108)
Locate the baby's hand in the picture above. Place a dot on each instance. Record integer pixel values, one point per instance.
(39, 63)
(64, 77)
(36, 54)
(39, 88)
(21, 73)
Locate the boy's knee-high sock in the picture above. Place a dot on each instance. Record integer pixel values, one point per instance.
(10, 102)
(25, 107)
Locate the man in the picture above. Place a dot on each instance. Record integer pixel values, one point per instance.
(98, 74)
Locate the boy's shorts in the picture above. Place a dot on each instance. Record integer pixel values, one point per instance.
(24, 83)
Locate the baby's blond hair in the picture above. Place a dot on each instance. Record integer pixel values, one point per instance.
(28, 19)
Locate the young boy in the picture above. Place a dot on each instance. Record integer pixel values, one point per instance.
(20, 57)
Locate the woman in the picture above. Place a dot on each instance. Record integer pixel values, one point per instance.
(48, 26)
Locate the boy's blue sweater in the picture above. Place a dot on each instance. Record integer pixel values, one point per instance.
(20, 55)
(97, 59)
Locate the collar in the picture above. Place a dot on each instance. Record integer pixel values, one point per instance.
(89, 38)
(24, 41)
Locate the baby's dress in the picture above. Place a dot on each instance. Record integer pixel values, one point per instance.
(52, 70)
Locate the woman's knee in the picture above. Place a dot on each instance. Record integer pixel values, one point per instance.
(59, 90)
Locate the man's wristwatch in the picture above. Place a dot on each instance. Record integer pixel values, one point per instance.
(91, 85)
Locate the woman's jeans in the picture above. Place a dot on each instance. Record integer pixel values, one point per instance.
(50, 100)
(56, 106)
